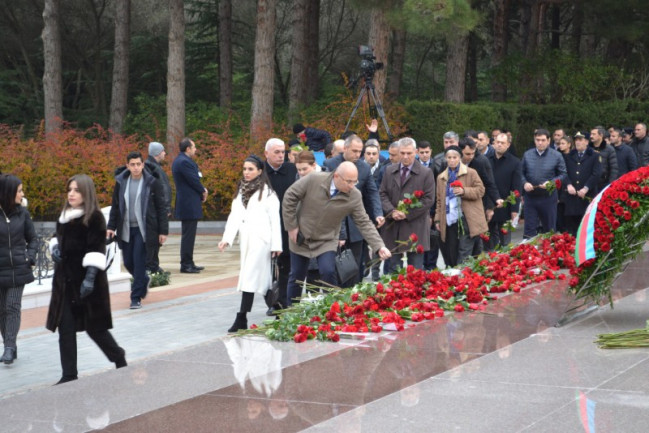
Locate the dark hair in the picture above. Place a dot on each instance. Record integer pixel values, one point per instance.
(453, 148)
(297, 128)
(542, 131)
(471, 133)
(328, 149)
(467, 142)
(306, 156)
(8, 189)
(254, 159)
(423, 145)
(134, 155)
(87, 190)
(185, 144)
(568, 139)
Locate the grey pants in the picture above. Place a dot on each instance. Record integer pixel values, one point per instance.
(10, 302)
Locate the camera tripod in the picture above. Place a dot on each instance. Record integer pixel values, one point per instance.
(377, 108)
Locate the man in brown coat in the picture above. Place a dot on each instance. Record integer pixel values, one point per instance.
(406, 177)
(313, 209)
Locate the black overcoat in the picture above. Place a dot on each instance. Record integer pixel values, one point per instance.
(77, 241)
(581, 173)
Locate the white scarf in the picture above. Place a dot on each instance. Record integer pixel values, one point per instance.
(70, 214)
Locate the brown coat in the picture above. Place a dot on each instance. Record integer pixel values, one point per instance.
(308, 206)
(417, 220)
(471, 201)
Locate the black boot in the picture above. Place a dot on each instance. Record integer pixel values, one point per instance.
(66, 379)
(9, 355)
(241, 322)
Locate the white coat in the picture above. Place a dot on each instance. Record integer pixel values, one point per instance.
(259, 233)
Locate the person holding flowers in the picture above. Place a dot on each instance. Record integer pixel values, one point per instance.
(460, 216)
(542, 169)
(400, 183)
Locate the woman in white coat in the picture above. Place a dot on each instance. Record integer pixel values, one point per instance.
(255, 216)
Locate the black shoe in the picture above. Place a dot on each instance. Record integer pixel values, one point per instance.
(199, 268)
(241, 322)
(190, 271)
(135, 305)
(121, 363)
(65, 379)
(9, 355)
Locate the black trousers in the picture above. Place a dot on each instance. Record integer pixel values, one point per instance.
(187, 240)
(152, 251)
(68, 342)
(283, 269)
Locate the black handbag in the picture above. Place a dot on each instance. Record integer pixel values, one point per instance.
(346, 266)
(272, 295)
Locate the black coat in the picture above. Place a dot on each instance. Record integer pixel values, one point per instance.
(626, 159)
(281, 180)
(586, 172)
(316, 139)
(609, 171)
(507, 174)
(481, 164)
(154, 210)
(18, 243)
(156, 170)
(78, 242)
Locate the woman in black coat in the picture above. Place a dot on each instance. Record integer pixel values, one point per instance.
(80, 297)
(17, 253)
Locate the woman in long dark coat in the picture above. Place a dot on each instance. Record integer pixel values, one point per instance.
(80, 297)
(17, 252)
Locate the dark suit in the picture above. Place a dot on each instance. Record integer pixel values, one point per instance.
(582, 172)
(189, 207)
(507, 175)
(431, 255)
(371, 202)
(391, 192)
(281, 180)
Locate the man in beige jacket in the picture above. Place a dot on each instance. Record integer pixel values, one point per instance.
(313, 209)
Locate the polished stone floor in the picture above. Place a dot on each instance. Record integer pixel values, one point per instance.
(508, 369)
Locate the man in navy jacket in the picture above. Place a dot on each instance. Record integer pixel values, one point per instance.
(190, 193)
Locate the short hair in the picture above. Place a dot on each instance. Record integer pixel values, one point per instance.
(507, 137)
(328, 149)
(393, 145)
(423, 145)
(569, 141)
(373, 142)
(602, 131)
(467, 142)
(350, 138)
(274, 142)
(305, 156)
(407, 141)
(471, 133)
(451, 135)
(618, 130)
(346, 134)
(542, 131)
(134, 155)
(185, 144)
(483, 132)
(8, 189)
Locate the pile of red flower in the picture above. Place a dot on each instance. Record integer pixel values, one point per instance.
(417, 295)
(620, 231)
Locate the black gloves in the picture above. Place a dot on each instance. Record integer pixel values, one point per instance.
(56, 254)
(88, 284)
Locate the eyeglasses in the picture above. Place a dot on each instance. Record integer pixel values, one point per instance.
(351, 182)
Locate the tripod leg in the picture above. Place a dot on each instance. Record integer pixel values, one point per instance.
(358, 103)
(379, 109)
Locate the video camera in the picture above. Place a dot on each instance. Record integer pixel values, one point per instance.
(368, 64)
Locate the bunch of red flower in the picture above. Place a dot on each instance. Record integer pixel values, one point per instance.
(457, 184)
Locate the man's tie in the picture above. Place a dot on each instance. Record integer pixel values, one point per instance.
(333, 194)
(581, 155)
(404, 174)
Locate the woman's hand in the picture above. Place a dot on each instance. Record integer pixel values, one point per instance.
(223, 245)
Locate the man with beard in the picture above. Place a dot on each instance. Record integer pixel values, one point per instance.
(626, 158)
(281, 174)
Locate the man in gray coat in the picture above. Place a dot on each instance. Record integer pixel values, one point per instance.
(407, 177)
(313, 209)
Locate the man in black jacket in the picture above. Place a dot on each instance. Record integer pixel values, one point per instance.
(607, 155)
(153, 164)
(626, 158)
(138, 212)
(640, 144)
(315, 139)
(507, 174)
(282, 174)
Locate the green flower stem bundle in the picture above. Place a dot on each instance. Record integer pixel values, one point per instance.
(633, 339)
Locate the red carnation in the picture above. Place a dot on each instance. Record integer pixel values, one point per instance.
(420, 249)
(407, 201)
(558, 183)
(456, 184)
(299, 338)
(413, 238)
(418, 194)
(516, 193)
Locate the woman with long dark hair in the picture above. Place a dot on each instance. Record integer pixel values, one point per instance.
(80, 297)
(17, 253)
(255, 216)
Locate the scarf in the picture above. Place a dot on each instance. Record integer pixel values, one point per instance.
(248, 188)
(70, 214)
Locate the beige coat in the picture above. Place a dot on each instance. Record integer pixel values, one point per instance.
(307, 205)
(472, 208)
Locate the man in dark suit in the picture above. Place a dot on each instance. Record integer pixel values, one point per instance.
(377, 168)
(369, 192)
(281, 174)
(190, 194)
(425, 154)
(406, 177)
(507, 174)
(584, 168)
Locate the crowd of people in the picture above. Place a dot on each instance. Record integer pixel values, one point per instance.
(296, 214)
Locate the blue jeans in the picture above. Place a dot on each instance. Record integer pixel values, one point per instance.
(541, 209)
(300, 266)
(134, 253)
